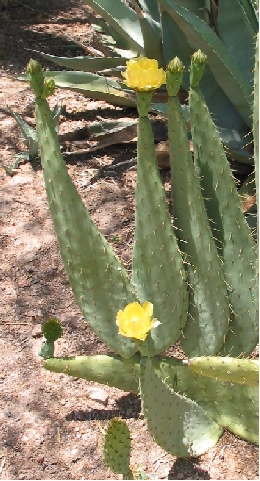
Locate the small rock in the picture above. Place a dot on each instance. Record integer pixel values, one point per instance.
(97, 394)
(40, 458)
(23, 283)
(37, 331)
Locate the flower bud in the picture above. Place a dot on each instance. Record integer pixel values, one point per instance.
(198, 63)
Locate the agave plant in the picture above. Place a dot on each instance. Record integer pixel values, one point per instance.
(194, 277)
(163, 29)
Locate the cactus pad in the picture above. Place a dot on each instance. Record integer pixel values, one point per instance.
(158, 271)
(233, 406)
(233, 238)
(242, 371)
(111, 370)
(99, 281)
(208, 312)
(117, 448)
(178, 424)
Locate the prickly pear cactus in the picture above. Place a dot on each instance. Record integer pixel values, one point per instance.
(112, 370)
(178, 424)
(256, 121)
(193, 277)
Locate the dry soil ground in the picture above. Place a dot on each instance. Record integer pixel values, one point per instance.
(52, 426)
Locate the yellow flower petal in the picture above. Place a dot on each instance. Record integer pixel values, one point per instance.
(136, 320)
(143, 74)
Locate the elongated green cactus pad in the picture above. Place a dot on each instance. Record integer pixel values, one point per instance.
(158, 271)
(117, 448)
(178, 424)
(100, 283)
(111, 370)
(242, 371)
(208, 312)
(233, 238)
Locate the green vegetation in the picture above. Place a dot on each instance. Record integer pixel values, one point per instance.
(196, 273)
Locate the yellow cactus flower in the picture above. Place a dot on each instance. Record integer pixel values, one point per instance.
(143, 74)
(136, 320)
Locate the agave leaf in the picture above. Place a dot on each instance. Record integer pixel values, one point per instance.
(235, 142)
(151, 8)
(238, 35)
(175, 43)
(103, 129)
(250, 8)
(152, 35)
(122, 19)
(199, 7)
(29, 134)
(93, 86)
(86, 64)
(222, 64)
(112, 39)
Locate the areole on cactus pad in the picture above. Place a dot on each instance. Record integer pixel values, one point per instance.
(180, 289)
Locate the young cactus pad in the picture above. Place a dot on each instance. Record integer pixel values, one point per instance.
(100, 283)
(117, 448)
(52, 329)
